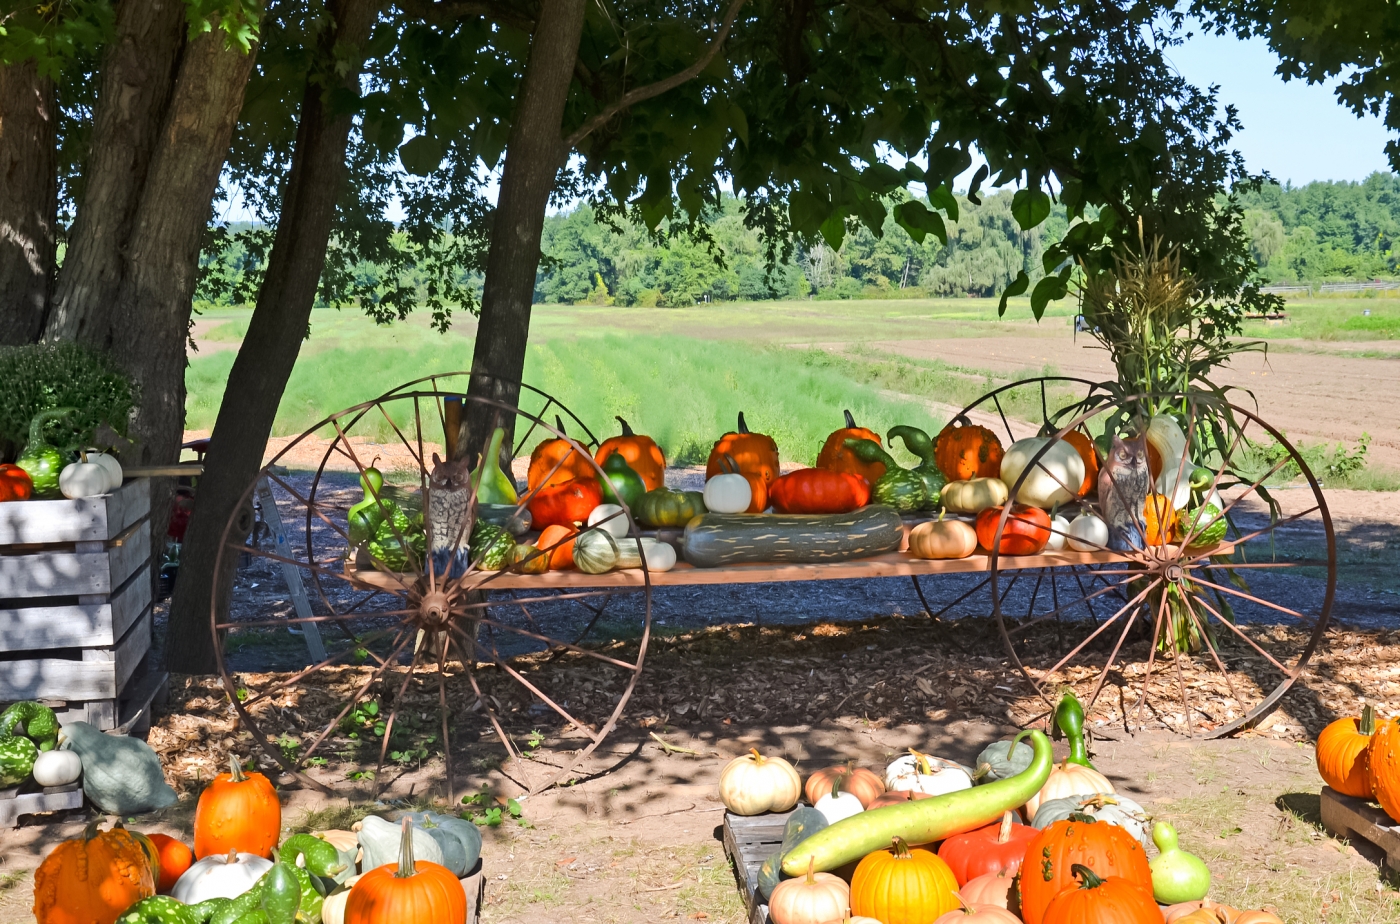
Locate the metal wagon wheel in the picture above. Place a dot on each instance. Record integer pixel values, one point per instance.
(435, 643)
(1008, 412)
(1202, 609)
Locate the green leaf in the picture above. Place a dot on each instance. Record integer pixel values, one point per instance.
(807, 210)
(1018, 287)
(1049, 289)
(947, 163)
(421, 155)
(1030, 207)
(914, 217)
(942, 198)
(977, 179)
(513, 806)
(881, 178)
(834, 230)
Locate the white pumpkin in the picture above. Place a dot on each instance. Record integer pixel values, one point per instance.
(1067, 779)
(1059, 533)
(728, 494)
(82, 479)
(974, 495)
(923, 773)
(1088, 533)
(57, 768)
(110, 465)
(660, 556)
(839, 806)
(754, 784)
(1054, 480)
(1165, 436)
(225, 876)
(618, 526)
(333, 908)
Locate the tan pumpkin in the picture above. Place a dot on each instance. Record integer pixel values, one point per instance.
(1068, 779)
(1256, 916)
(754, 784)
(989, 889)
(974, 495)
(809, 899)
(857, 919)
(1218, 912)
(943, 539)
(977, 913)
(858, 781)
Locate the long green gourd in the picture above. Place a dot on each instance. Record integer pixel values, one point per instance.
(922, 821)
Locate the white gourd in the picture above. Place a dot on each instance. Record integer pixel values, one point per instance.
(223, 876)
(82, 479)
(110, 465)
(923, 773)
(660, 556)
(839, 806)
(1054, 480)
(974, 495)
(728, 494)
(1059, 533)
(57, 768)
(617, 526)
(1088, 533)
(1166, 437)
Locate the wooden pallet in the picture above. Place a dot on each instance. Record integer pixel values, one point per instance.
(1352, 818)
(748, 841)
(29, 800)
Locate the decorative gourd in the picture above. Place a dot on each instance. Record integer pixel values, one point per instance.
(975, 495)
(1001, 760)
(1089, 456)
(990, 888)
(1088, 533)
(92, 878)
(110, 465)
(1026, 532)
(174, 858)
(813, 899)
(528, 559)
(373, 507)
(1068, 779)
(420, 891)
(333, 910)
(459, 840)
(642, 454)
(557, 542)
(1341, 754)
(818, 490)
(1177, 876)
(1158, 520)
(57, 768)
(281, 895)
(801, 824)
(755, 453)
(942, 539)
(924, 773)
(917, 442)
(837, 455)
(660, 556)
(15, 483)
(1109, 808)
(897, 487)
(492, 485)
(380, 842)
(347, 848)
(1059, 533)
(121, 775)
(620, 483)
(1383, 758)
(729, 492)
(610, 518)
(717, 539)
(237, 812)
(754, 784)
(565, 504)
(41, 461)
(1066, 844)
(838, 804)
(629, 553)
(664, 507)
(1069, 721)
(996, 847)
(220, 876)
(31, 720)
(17, 757)
(82, 479)
(595, 551)
(977, 913)
(1056, 477)
(903, 885)
(964, 451)
(1112, 898)
(158, 909)
(1205, 526)
(313, 854)
(558, 460)
(858, 781)
(1166, 447)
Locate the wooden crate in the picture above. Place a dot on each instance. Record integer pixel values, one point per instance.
(75, 605)
(748, 841)
(31, 799)
(1352, 818)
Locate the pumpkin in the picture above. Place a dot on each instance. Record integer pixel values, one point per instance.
(975, 495)
(730, 492)
(566, 503)
(1383, 758)
(1166, 447)
(1109, 808)
(663, 507)
(818, 490)
(1096, 900)
(977, 913)
(895, 798)
(528, 559)
(557, 461)
(1177, 876)
(1001, 760)
(812, 899)
(754, 453)
(837, 456)
(660, 556)
(1056, 477)
(1050, 858)
(610, 518)
(1089, 456)
(557, 542)
(595, 551)
(621, 483)
(941, 539)
(987, 850)
(990, 888)
(801, 824)
(333, 910)
(1059, 533)
(1158, 520)
(838, 805)
(858, 781)
(219, 876)
(459, 840)
(754, 784)
(1341, 754)
(713, 539)
(641, 453)
(174, 858)
(57, 768)
(1088, 533)
(900, 488)
(413, 890)
(1068, 779)
(92, 878)
(15, 483)
(903, 885)
(381, 841)
(924, 773)
(1218, 912)
(1026, 532)
(237, 812)
(121, 775)
(964, 451)
(1257, 916)
(82, 479)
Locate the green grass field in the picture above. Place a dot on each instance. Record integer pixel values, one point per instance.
(1333, 319)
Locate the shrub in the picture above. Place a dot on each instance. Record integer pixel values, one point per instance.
(49, 375)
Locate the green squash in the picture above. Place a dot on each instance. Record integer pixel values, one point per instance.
(1189, 521)
(322, 858)
(595, 551)
(1001, 760)
(281, 895)
(491, 547)
(388, 551)
(917, 442)
(364, 518)
(17, 756)
(121, 775)
(43, 462)
(801, 824)
(1069, 721)
(460, 840)
(39, 722)
(620, 482)
(898, 487)
(664, 507)
(158, 909)
(207, 911)
(492, 485)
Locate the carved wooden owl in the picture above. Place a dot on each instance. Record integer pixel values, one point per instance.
(1124, 483)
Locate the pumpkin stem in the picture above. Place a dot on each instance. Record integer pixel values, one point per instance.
(1368, 721)
(232, 857)
(743, 427)
(850, 421)
(406, 866)
(757, 757)
(91, 830)
(811, 870)
(626, 428)
(1004, 833)
(1086, 876)
(235, 772)
(922, 764)
(900, 849)
(836, 785)
(966, 908)
(729, 465)
(559, 425)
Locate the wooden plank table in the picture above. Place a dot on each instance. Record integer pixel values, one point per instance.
(1350, 817)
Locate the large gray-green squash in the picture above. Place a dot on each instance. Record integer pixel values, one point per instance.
(801, 824)
(380, 840)
(121, 775)
(460, 840)
(714, 539)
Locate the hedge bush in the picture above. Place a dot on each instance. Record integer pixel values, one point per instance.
(41, 376)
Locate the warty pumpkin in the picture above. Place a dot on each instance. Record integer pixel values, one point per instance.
(836, 456)
(987, 850)
(558, 460)
(1098, 900)
(903, 885)
(858, 781)
(964, 451)
(238, 812)
(1051, 857)
(818, 490)
(754, 452)
(418, 892)
(92, 878)
(1342, 756)
(1383, 759)
(641, 453)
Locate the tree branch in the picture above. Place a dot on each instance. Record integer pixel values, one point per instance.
(633, 97)
(446, 10)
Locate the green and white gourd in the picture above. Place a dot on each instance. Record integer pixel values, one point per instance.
(899, 488)
(380, 841)
(926, 774)
(459, 840)
(595, 551)
(917, 442)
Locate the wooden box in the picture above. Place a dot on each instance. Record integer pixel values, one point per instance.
(75, 604)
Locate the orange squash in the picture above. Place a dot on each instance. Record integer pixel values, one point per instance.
(420, 892)
(1079, 840)
(237, 811)
(92, 879)
(174, 858)
(557, 461)
(557, 542)
(990, 888)
(1383, 755)
(903, 885)
(753, 452)
(1098, 900)
(858, 781)
(835, 457)
(1342, 758)
(1085, 447)
(641, 453)
(964, 451)
(1158, 520)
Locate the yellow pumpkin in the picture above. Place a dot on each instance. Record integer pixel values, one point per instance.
(974, 495)
(943, 539)
(1069, 779)
(754, 784)
(1056, 477)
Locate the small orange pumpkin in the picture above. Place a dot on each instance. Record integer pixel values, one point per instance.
(903, 885)
(1218, 912)
(754, 452)
(835, 457)
(1085, 447)
(1158, 520)
(977, 913)
(557, 542)
(420, 892)
(964, 451)
(557, 461)
(1078, 841)
(93, 878)
(1342, 758)
(174, 857)
(1027, 529)
(1097, 900)
(237, 811)
(641, 453)
(858, 781)
(990, 888)
(1383, 756)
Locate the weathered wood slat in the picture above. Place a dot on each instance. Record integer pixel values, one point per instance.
(88, 519)
(100, 674)
(748, 841)
(74, 573)
(56, 799)
(1349, 817)
(86, 623)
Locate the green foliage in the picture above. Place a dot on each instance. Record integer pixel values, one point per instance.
(238, 20)
(49, 375)
(1325, 231)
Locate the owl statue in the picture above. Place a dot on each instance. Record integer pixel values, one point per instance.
(1124, 483)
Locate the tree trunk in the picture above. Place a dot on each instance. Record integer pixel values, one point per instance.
(28, 200)
(269, 351)
(138, 77)
(534, 154)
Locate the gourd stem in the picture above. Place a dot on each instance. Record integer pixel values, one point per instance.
(1004, 833)
(626, 427)
(1087, 877)
(850, 421)
(406, 865)
(1368, 721)
(900, 849)
(743, 427)
(235, 772)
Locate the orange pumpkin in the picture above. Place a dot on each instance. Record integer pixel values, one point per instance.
(1097, 900)
(1257, 916)
(1158, 520)
(557, 461)
(1027, 529)
(1085, 447)
(1215, 910)
(903, 885)
(641, 452)
(565, 504)
(421, 892)
(92, 879)
(858, 781)
(991, 849)
(896, 798)
(758, 487)
(753, 452)
(1342, 757)
(557, 542)
(835, 457)
(174, 858)
(237, 811)
(964, 451)
(1046, 870)
(990, 888)
(1383, 756)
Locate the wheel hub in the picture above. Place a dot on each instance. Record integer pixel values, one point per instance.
(433, 607)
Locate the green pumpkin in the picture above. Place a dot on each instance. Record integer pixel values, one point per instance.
(40, 461)
(620, 482)
(1187, 521)
(801, 824)
(386, 547)
(17, 756)
(459, 840)
(898, 487)
(158, 909)
(665, 507)
(1001, 760)
(492, 485)
(40, 724)
(491, 547)
(1109, 808)
(365, 517)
